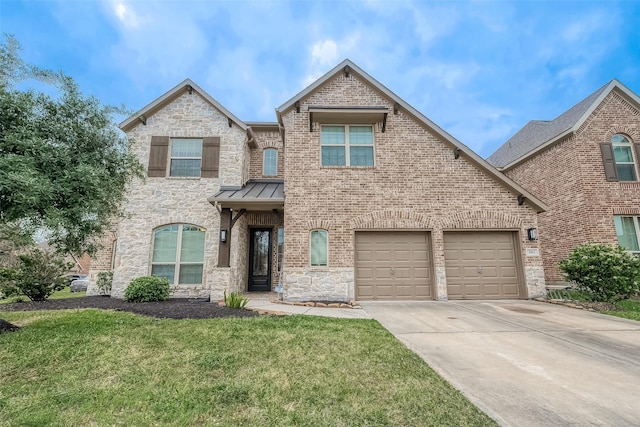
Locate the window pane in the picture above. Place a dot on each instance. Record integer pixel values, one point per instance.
(626, 172)
(619, 138)
(361, 135)
(361, 156)
(318, 247)
(185, 167)
(186, 148)
(332, 135)
(165, 243)
(190, 274)
(622, 154)
(626, 232)
(167, 271)
(333, 156)
(270, 162)
(192, 249)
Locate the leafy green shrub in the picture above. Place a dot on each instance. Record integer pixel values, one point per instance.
(37, 275)
(235, 300)
(146, 289)
(607, 273)
(104, 282)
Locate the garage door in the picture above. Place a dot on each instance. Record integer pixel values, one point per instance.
(481, 265)
(393, 265)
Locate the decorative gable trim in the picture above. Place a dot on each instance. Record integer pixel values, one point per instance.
(188, 87)
(399, 103)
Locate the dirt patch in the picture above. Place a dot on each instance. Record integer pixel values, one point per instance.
(7, 327)
(174, 308)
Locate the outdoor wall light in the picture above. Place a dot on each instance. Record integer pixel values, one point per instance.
(532, 233)
(223, 235)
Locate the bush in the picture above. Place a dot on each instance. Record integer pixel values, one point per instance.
(37, 275)
(104, 282)
(146, 289)
(235, 300)
(607, 273)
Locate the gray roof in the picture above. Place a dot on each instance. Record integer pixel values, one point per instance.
(256, 194)
(537, 133)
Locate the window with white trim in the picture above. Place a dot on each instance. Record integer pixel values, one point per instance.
(270, 162)
(349, 145)
(186, 157)
(319, 247)
(623, 157)
(178, 253)
(628, 231)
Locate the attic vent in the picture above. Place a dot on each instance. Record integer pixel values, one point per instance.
(189, 89)
(347, 71)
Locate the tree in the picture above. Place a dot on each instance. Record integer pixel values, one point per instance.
(64, 165)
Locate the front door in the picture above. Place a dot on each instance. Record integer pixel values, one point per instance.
(260, 259)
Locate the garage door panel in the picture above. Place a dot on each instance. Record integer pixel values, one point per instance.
(481, 264)
(399, 262)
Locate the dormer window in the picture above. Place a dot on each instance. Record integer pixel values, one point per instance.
(349, 145)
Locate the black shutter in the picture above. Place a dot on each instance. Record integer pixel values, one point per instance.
(158, 156)
(210, 157)
(609, 162)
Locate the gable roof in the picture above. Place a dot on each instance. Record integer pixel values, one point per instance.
(456, 145)
(168, 97)
(538, 135)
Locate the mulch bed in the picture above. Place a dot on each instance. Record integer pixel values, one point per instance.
(7, 327)
(174, 308)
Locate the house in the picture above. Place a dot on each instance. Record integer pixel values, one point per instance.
(350, 194)
(584, 165)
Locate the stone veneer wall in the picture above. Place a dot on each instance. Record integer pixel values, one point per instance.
(416, 183)
(159, 201)
(569, 177)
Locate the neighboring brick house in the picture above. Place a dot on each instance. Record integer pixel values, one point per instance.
(380, 202)
(584, 165)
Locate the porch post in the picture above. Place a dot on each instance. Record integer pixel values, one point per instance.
(224, 248)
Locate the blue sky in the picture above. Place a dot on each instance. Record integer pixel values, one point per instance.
(479, 69)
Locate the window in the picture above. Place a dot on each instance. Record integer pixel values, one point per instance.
(186, 157)
(280, 247)
(270, 162)
(628, 231)
(319, 247)
(178, 252)
(623, 157)
(346, 145)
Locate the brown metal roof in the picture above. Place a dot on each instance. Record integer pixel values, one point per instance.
(256, 194)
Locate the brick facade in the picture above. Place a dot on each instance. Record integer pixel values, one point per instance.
(419, 182)
(416, 184)
(569, 177)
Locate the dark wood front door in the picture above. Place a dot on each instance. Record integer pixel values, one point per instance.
(260, 259)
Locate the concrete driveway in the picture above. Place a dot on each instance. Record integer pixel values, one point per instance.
(526, 363)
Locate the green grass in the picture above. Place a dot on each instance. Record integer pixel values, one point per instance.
(569, 294)
(630, 309)
(64, 293)
(91, 367)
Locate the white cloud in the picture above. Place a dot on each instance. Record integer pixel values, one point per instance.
(324, 52)
(125, 14)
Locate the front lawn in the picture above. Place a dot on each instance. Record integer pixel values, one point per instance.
(92, 367)
(63, 293)
(629, 309)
